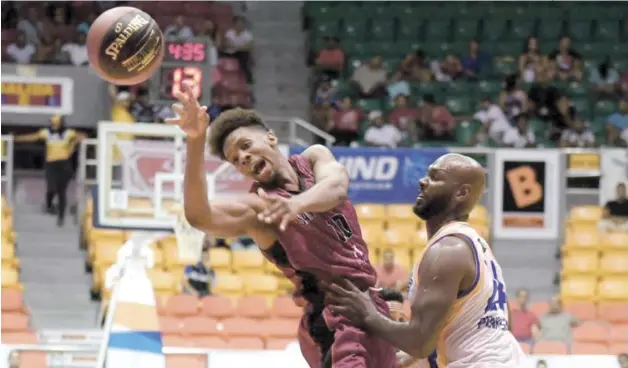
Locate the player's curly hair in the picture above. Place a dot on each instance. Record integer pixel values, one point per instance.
(229, 121)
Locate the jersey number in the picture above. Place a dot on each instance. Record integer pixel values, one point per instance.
(498, 296)
(340, 226)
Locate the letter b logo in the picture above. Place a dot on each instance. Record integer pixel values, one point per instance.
(526, 190)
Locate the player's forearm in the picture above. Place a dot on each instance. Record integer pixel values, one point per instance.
(405, 336)
(325, 195)
(195, 202)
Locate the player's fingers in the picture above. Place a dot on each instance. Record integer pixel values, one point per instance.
(188, 87)
(174, 121)
(177, 108)
(285, 221)
(337, 289)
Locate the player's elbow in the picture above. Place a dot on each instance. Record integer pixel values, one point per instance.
(341, 182)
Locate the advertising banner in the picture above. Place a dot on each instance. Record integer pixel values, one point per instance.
(526, 184)
(614, 171)
(384, 175)
(37, 95)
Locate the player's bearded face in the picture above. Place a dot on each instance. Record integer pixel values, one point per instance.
(433, 200)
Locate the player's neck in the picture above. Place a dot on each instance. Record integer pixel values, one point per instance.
(288, 177)
(434, 224)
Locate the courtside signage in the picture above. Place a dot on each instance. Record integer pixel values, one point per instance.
(526, 185)
(37, 95)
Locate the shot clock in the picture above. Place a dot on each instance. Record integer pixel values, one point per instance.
(184, 60)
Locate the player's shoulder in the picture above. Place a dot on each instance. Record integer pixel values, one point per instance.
(449, 252)
(317, 152)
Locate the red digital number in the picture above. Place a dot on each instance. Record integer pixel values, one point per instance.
(174, 49)
(188, 51)
(190, 73)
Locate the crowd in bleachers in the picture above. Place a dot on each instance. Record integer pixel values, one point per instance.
(493, 74)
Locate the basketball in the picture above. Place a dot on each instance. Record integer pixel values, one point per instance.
(125, 46)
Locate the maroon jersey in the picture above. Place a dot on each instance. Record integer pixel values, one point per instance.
(321, 244)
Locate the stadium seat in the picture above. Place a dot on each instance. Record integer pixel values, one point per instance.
(284, 307)
(400, 236)
(170, 325)
(615, 241)
(246, 262)
(479, 215)
(618, 333)
(588, 348)
(580, 238)
(372, 235)
(371, 212)
(241, 327)
(613, 288)
(280, 327)
(187, 361)
(229, 285)
(586, 214)
(579, 263)
(217, 306)
(591, 332)
(17, 322)
(182, 305)
(12, 301)
(578, 288)
(613, 312)
(10, 279)
(23, 337)
(245, 343)
(584, 311)
(163, 282)
(220, 259)
(550, 347)
(539, 308)
(200, 326)
(261, 284)
(252, 306)
(527, 349)
(614, 263)
(33, 359)
(277, 343)
(209, 342)
(399, 213)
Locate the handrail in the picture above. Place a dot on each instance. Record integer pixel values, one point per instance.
(329, 139)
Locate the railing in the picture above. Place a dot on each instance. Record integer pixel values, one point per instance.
(7, 167)
(298, 131)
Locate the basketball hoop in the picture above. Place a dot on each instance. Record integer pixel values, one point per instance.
(189, 240)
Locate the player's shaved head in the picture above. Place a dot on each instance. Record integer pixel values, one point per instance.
(466, 171)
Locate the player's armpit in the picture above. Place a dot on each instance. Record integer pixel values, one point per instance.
(233, 217)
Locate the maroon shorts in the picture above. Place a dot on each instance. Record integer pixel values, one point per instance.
(350, 346)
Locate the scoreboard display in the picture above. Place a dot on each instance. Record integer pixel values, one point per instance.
(188, 60)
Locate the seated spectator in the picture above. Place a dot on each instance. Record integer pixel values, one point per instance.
(20, 51)
(77, 51)
(331, 58)
(345, 123)
(178, 29)
(448, 70)
(623, 84)
(616, 211)
(416, 67)
(578, 135)
(59, 15)
(198, 278)
(32, 26)
(381, 133)
(49, 51)
(390, 274)
(521, 135)
(565, 62)
(398, 86)
(525, 325)
(556, 324)
(325, 93)
(476, 62)
(494, 122)
(321, 115)
(370, 78)
(85, 25)
(394, 299)
(530, 61)
(543, 97)
(618, 122)
(209, 29)
(405, 118)
(239, 44)
(605, 79)
(437, 122)
(512, 99)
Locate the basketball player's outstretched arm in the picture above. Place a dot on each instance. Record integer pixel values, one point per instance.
(219, 218)
(441, 272)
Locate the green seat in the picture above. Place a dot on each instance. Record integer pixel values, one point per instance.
(421, 89)
(456, 48)
(505, 66)
(465, 30)
(379, 12)
(382, 31)
(324, 12)
(608, 31)
(384, 49)
(357, 49)
(466, 131)
(512, 49)
(326, 28)
(580, 30)
(459, 88)
(354, 63)
(353, 31)
(459, 105)
(550, 30)
(538, 126)
(488, 88)
(494, 29)
(370, 104)
(576, 89)
(408, 31)
(604, 108)
(582, 106)
(522, 29)
(408, 12)
(437, 30)
(428, 144)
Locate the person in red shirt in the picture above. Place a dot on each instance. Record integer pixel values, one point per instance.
(438, 123)
(405, 118)
(345, 123)
(524, 323)
(390, 274)
(331, 58)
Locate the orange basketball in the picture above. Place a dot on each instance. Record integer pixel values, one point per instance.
(125, 45)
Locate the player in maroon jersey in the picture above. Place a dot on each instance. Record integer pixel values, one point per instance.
(299, 215)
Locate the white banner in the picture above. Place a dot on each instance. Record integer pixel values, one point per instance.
(526, 184)
(614, 171)
(37, 95)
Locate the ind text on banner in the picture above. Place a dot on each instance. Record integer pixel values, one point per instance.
(37, 95)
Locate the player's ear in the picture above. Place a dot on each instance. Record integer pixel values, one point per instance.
(271, 138)
(464, 192)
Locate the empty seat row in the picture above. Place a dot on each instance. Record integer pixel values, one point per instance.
(221, 307)
(592, 288)
(560, 348)
(229, 327)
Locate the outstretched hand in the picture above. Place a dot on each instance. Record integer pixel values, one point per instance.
(344, 298)
(191, 117)
(278, 209)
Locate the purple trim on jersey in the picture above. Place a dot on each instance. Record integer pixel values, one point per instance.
(464, 293)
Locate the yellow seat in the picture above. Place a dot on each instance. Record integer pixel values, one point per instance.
(369, 211)
(261, 284)
(163, 282)
(372, 235)
(613, 288)
(398, 213)
(581, 239)
(229, 285)
(420, 239)
(579, 263)
(614, 263)
(614, 241)
(578, 288)
(10, 278)
(587, 214)
(479, 215)
(220, 259)
(247, 261)
(399, 235)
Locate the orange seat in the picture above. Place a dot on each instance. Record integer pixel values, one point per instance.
(613, 312)
(220, 259)
(580, 262)
(187, 361)
(581, 239)
(578, 288)
(615, 241)
(550, 347)
(539, 308)
(587, 348)
(591, 332)
(253, 306)
(619, 334)
(278, 344)
(24, 337)
(584, 311)
(614, 263)
(617, 348)
(208, 342)
(527, 349)
(174, 340)
(217, 306)
(241, 327)
(33, 359)
(14, 322)
(12, 301)
(170, 325)
(182, 305)
(200, 326)
(284, 307)
(613, 288)
(281, 327)
(246, 343)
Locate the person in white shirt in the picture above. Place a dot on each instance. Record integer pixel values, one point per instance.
(21, 52)
(77, 51)
(380, 133)
(238, 44)
(495, 123)
(179, 30)
(519, 136)
(578, 136)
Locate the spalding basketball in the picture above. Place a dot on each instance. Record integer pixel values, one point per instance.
(125, 45)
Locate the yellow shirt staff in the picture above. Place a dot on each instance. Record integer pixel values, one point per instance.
(60, 141)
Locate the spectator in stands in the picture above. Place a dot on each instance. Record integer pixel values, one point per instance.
(49, 51)
(494, 122)
(239, 44)
(579, 135)
(521, 135)
(616, 211)
(20, 51)
(209, 29)
(381, 133)
(512, 99)
(530, 61)
(448, 70)
(394, 299)
(331, 58)
(605, 79)
(121, 103)
(622, 359)
(345, 123)
(77, 50)
(14, 359)
(325, 93)
(322, 116)
(398, 86)
(618, 121)
(389, 273)
(60, 14)
(565, 62)
(32, 27)
(525, 325)
(543, 97)
(370, 78)
(476, 63)
(198, 278)
(85, 25)
(405, 118)
(416, 67)
(178, 29)
(556, 324)
(437, 122)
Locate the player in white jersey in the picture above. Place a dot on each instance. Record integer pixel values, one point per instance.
(459, 313)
